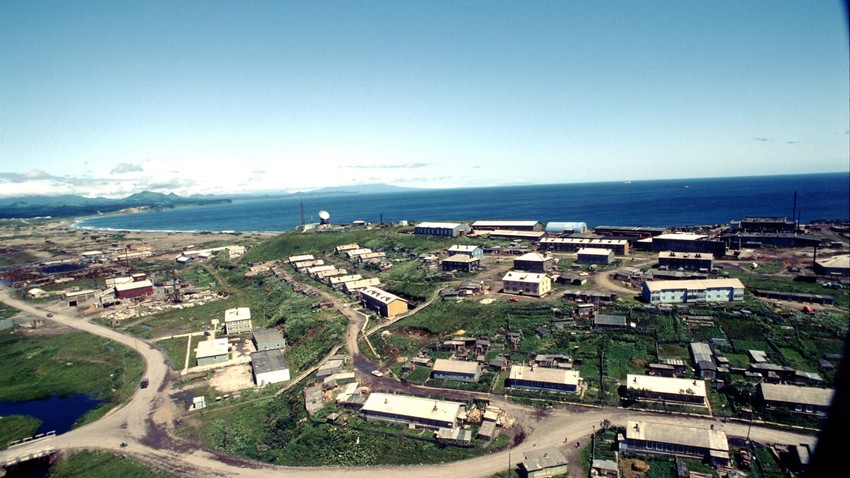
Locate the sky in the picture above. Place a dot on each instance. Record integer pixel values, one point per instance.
(220, 97)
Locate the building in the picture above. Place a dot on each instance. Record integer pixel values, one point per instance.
(566, 228)
(460, 370)
(704, 360)
(461, 263)
(807, 400)
(573, 244)
(131, 290)
(301, 258)
(603, 321)
(763, 224)
(415, 411)
(355, 253)
(507, 225)
(670, 440)
(695, 261)
(647, 387)
(78, 297)
(739, 239)
(543, 463)
(541, 378)
(833, 266)
(595, 256)
(534, 262)
(269, 366)
(448, 229)
(474, 251)
(689, 291)
(212, 351)
(630, 233)
(604, 469)
(337, 281)
(346, 247)
(356, 285)
(795, 296)
(688, 242)
(237, 321)
(386, 304)
(526, 283)
(268, 339)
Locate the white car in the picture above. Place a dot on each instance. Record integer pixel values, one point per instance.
(377, 373)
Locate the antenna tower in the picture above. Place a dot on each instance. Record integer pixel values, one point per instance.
(303, 222)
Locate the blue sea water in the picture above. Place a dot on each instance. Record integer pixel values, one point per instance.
(684, 202)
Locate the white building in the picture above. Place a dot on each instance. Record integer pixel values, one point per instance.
(269, 366)
(689, 291)
(652, 387)
(417, 411)
(526, 283)
(237, 320)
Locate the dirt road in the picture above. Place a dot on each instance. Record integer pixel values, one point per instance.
(145, 421)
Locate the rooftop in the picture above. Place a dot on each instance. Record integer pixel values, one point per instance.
(380, 295)
(682, 236)
(439, 225)
(686, 255)
(268, 361)
(545, 375)
(519, 276)
(534, 257)
(535, 460)
(211, 348)
(416, 407)
(504, 223)
(133, 285)
(666, 384)
(267, 335)
(241, 313)
(698, 284)
(595, 251)
(794, 394)
(701, 352)
(464, 247)
(455, 366)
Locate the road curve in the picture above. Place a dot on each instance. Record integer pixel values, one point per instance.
(144, 421)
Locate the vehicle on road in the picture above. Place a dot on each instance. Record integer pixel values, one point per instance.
(144, 383)
(49, 315)
(377, 373)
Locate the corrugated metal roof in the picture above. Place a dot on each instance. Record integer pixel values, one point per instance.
(700, 284)
(666, 384)
(535, 460)
(793, 394)
(414, 407)
(455, 366)
(687, 436)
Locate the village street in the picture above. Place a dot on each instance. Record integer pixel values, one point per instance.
(145, 421)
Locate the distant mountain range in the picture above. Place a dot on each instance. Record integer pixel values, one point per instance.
(71, 205)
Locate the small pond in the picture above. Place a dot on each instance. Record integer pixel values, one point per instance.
(56, 413)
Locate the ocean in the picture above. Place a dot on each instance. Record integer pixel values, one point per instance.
(661, 203)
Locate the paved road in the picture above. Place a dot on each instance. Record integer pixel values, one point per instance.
(145, 420)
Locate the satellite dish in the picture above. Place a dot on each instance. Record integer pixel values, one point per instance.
(325, 217)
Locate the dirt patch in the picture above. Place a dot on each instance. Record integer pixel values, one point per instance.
(634, 468)
(231, 379)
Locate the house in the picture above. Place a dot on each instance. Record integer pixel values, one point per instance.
(212, 351)
(688, 291)
(534, 262)
(470, 250)
(353, 286)
(541, 378)
(37, 293)
(337, 282)
(542, 463)
(346, 247)
(590, 296)
(573, 244)
(460, 370)
(237, 321)
(487, 431)
(384, 303)
(461, 263)
(644, 437)
(661, 370)
(690, 261)
(704, 360)
(305, 257)
(355, 253)
(268, 339)
(412, 411)
(588, 255)
(807, 400)
(604, 469)
(647, 387)
(331, 367)
(526, 283)
(448, 229)
(603, 321)
(269, 366)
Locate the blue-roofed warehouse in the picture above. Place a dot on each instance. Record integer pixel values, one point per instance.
(566, 227)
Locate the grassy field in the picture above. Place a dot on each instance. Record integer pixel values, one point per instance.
(6, 311)
(34, 367)
(16, 427)
(101, 464)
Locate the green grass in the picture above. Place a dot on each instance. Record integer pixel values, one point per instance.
(16, 427)
(176, 350)
(622, 358)
(7, 311)
(101, 464)
(36, 367)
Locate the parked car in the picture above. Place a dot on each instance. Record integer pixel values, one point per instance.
(377, 373)
(144, 383)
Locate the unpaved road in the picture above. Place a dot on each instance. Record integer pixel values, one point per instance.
(144, 423)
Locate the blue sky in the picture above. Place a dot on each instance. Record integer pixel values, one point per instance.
(109, 98)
